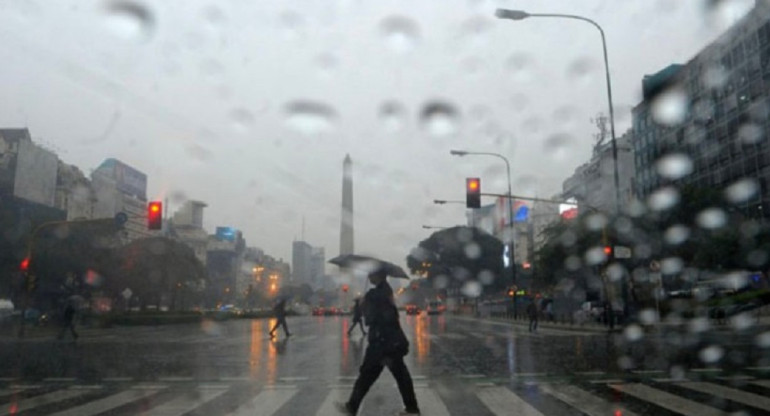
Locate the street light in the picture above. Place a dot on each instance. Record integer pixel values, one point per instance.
(521, 15)
(510, 205)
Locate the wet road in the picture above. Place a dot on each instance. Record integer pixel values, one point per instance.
(461, 366)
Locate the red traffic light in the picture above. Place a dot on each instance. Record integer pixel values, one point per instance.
(155, 215)
(345, 288)
(24, 266)
(473, 193)
(607, 251)
(510, 292)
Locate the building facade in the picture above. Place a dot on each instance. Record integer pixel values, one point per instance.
(723, 134)
(121, 188)
(74, 193)
(27, 170)
(187, 226)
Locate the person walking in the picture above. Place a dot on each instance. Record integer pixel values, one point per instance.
(280, 314)
(387, 347)
(357, 317)
(68, 322)
(532, 313)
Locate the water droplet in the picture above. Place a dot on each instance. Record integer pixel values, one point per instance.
(473, 66)
(214, 15)
(703, 109)
(596, 221)
(565, 115)
(582, 69)
(212, 68)
(663, 199)
(310, 117)
(486, 277)
(616, 271)
(480, 115)
(440, 118)
(671, 265)
(676, 234)
(241, 118)
(742, 321)
(558, 145)
(742, 190)
(763, 340)
(178, 196)
(595, 255)
(520, 65)
(292, 23)
(572, 263)
(441, 282)
(715, 76)
(326, 63)
(751, 133)
(711, 354)
(721, 14)
(472, 251)
(199, 153)
(757, 258)
(476, 28)
(670, 107)
(633, 333)
(648, 316)
(625, 362)
(698, 325)
(130, 20)
(674, 166)
(472, 289)
(393, 116)
(401, 33)
(519, 102)
(532, 124)
(711, 218)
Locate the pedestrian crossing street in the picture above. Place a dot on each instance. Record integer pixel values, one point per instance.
(178, 396)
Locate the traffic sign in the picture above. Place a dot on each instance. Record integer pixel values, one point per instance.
(120, 219)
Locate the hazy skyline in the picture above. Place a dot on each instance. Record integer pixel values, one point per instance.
(252, 108)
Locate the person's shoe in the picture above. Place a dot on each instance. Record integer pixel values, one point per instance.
(343, 408)
(288, 334)
(407, 412)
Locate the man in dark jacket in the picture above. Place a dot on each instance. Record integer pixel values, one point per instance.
(357, 317)
(280, 315)
(68, 322)
(387, 347)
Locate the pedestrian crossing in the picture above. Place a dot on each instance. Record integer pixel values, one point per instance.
(239, 398)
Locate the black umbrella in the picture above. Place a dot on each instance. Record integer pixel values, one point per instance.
(368, 264)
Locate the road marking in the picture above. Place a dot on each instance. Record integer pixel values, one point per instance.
(485, 384)
(669, 380)
(472, 376)
(64, 379)
(266, 402)
(502, 401)
(42, 400)
(590, 373)
(584, 401)
(348, 378)
(706, 370)
(667, 400)
(7, 392)
(530, 374)
(418, 377)
(149, 386)
(737, 378)
(24, 386)
(648, 372)
(280, 386)
(290, 379)
(7, 378)
(452, 335)
(751, 399)
(766, 368)
(167, 379)
(118, 379)
(108, 403)
(336, 394)
(87, 387)
(235, 379)
(762, 383)
(187, 402)
(430, 403)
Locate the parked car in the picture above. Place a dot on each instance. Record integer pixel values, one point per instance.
(435, 308)
(412, 310)
(318, 311)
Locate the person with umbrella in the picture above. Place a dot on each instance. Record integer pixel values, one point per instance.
(387, 343)
(280, 314)
(357, 314)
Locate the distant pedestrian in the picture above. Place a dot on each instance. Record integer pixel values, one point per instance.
(387, 347)
(532, 313)
(68, 322)
(357, 314)
(280, 314)
(549, 310)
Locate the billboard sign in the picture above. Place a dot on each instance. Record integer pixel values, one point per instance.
(226, 233)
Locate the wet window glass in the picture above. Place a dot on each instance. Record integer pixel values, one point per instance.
(477, 207)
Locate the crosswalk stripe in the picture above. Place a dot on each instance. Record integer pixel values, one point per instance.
(107, 403)
(43, 399)
(762, 383)
(583, 401)
(7, 392)
(430, 403)
(187, 402)
(452, 335)
(502, 401)
(751, 399)
(667, 400)
(327, 407)
(265, 403)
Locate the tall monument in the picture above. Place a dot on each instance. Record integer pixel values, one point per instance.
(346, 226)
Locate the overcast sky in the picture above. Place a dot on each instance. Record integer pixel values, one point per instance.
(252, 106)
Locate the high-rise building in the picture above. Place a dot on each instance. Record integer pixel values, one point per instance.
(317, 268)
(121, 188)
(187, 226)
(301, 259)
(27, 171)
(74, 193)
(721, 131)
(346, 226)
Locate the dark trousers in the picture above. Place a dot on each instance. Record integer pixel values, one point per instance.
(357, 321)
(533, 323)
(374, 362)
(68, 325)
(281, 321)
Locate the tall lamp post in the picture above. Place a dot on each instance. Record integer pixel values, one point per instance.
(510, 212)
(521, 15)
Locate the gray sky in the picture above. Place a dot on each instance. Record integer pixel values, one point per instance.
(252, 106)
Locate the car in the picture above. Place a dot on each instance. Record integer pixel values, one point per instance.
(412, 310)
(435, 308)
(330, 311)
(318, 311)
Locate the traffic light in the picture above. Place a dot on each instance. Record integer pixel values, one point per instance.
(473, 193)
(155, 215)
(511, 292)
(31, 283)
(345, 288)
(24, 266)
(607, 252)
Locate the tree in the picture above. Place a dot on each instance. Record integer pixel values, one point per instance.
(450, 257)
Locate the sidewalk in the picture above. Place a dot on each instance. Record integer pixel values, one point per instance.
(587, 327)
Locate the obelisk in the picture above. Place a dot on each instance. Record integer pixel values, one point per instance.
(346, 225)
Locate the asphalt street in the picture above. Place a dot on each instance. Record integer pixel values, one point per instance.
(461, 366)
